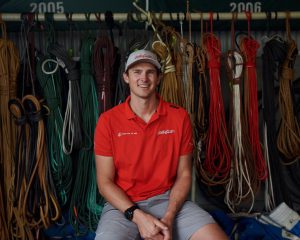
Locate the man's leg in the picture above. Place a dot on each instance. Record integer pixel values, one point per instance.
(194, 223)
(114, 226)
(210, 232)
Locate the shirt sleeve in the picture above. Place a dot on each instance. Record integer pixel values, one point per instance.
(187, 144)
(102, 137)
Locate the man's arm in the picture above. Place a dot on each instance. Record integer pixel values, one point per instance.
(180, 189)
(148, 225)
(108, 189)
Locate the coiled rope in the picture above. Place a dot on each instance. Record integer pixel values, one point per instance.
(60, 162)
(217, 164)
(86, 203)
(243, 183)
(178, 51)
(18, 228)
(4, 234)
(173, 51)
(274, 53)
(288, 139)
(169, 87)
(188, 81)
(72, 127)
(27, 54)
(201, 112)
(9, 69)
(35, 203)
(202, 104)
(104, 59)
(249, 49)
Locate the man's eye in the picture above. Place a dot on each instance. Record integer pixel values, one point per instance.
(151, 72)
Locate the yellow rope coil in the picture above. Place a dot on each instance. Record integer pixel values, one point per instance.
(169, 89)
(288, 140)
(9, 68)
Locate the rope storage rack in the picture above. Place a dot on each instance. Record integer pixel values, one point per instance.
(15, 17)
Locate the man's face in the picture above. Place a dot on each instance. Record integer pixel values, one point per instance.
(143, 78)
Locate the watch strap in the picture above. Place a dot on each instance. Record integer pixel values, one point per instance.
(129, 212)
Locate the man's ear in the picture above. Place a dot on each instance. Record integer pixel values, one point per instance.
(125, 77)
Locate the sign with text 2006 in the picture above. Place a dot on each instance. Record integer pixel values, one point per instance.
(225, 5)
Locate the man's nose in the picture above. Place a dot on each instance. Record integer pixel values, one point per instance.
(143, 76)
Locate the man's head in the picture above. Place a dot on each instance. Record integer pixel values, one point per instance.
(142, 73)
(142, 56)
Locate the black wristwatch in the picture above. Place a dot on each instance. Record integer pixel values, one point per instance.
(129, 212)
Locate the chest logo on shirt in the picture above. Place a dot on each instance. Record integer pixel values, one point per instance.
(121, 134)
(166, 132)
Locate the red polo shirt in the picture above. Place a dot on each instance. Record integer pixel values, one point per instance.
(145, 154)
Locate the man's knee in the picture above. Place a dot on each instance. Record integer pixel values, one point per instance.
(210, 231)
(122, 234)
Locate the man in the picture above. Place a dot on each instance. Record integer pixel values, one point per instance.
(143, 151)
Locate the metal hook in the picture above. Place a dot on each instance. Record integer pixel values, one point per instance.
(98, 17)
(69, 16)
(87, 16)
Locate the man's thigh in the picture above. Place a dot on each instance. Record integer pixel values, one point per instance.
(188, 220)
(114, 226)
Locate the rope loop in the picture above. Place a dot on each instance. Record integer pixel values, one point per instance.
(49, 61)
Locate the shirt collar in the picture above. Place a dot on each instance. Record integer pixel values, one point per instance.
(161, 108)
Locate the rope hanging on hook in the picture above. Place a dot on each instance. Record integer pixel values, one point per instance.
(86, 202)
(274, 53)
(249, 47)
(201, 112)
(216, 166)
(288, 140)
(9, 69)
(33, 177)
(72, 134)
(61, 163)
(104, 57)
(169, 88)
(243, 183)
(176, 47)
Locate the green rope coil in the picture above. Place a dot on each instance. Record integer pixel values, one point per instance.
(86, 202)
(61, 164)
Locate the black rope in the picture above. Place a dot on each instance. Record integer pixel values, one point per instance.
(274, 53)
(72, 130)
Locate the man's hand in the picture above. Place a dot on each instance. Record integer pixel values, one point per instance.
(168, 221)
(150, 227)
(156, 237)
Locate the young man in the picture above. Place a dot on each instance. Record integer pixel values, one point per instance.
(143, 151)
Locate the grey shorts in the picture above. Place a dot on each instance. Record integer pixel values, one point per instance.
(114, 226)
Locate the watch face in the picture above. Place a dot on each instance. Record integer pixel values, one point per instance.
(129, 212)
(129, 215)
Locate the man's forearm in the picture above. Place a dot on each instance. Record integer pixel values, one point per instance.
(178, 195)
(115, 196)
(181, 187)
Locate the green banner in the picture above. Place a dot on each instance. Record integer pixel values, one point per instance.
(121, 6)
(226, 5)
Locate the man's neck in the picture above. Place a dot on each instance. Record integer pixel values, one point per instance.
(144, 108)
